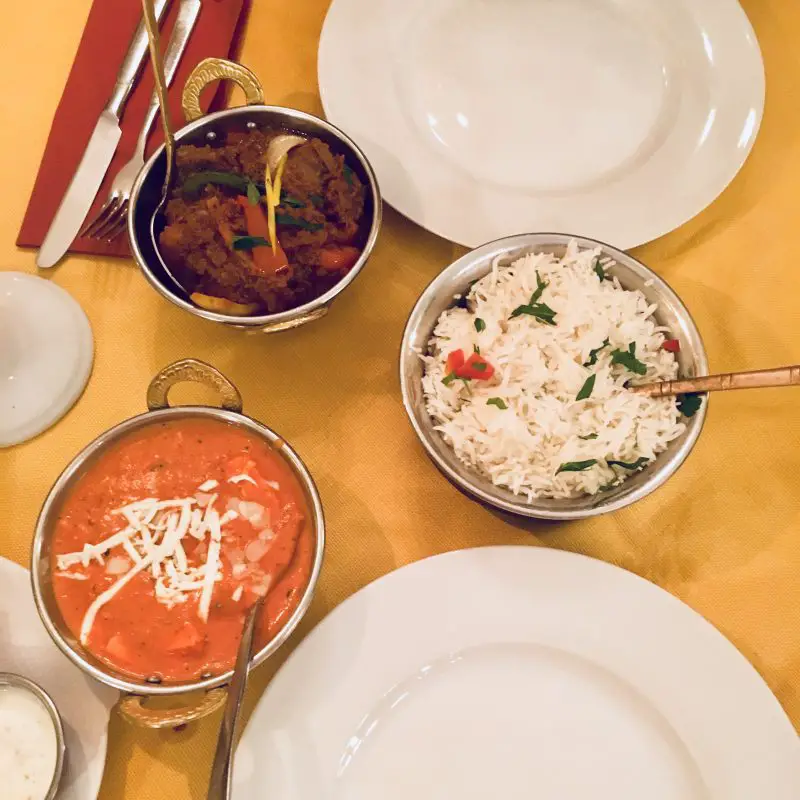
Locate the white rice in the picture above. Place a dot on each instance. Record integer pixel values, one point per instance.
(539, 371)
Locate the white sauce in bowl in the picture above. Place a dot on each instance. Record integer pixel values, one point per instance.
(28, 745)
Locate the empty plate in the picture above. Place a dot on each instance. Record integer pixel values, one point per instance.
(613, 119)
(516, 672)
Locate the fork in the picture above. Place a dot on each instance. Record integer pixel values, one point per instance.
(111, 220)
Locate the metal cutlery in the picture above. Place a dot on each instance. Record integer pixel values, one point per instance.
(111, 220)
(756, 379)
(219, 786)
(102, 145)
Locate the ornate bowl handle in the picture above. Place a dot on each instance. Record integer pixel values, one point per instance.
(132, 707)
(218, 69)
(190, 369)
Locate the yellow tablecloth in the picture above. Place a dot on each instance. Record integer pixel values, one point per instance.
(722, 534)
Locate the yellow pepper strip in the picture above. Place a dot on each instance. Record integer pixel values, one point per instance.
(272, 195)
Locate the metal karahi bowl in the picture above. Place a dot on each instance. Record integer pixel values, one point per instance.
(453, 282)
(11, 679)
(137, 690)
(204, 130)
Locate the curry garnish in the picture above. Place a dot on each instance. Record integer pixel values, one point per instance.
(576, 466)
(587, 388)
(627, 358)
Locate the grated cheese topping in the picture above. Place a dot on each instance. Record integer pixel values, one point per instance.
(152, 539)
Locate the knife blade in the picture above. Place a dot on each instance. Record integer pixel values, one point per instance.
(97, 157)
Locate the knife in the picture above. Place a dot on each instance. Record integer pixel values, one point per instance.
(89, 175)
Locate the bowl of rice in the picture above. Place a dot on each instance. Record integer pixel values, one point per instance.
(517, 368)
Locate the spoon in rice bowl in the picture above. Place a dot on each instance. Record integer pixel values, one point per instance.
(724, 382)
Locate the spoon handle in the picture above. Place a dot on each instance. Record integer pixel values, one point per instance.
(161, 87)
(219, 785)
(757, 379)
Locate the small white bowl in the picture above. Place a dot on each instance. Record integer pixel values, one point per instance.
(11, 680)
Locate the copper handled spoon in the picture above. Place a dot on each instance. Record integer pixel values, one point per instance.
(756, 379)
(219, 785)
(169, 138)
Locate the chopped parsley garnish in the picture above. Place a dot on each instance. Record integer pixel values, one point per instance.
(689, 404)
(586, 389)
(476, 349)
(534, 308)
(295, 222)
(594, 353)
(448, 379)
(640, 463)
(317, 199)
(348, 175)
(293, 202)
(587, 438)
(249, 242)
(480, 325)
(627, 358)
(253, 195)
(540, 311)
(497, 401)
(576, 466)
(599, 271)
(480, 366)
(540, 287)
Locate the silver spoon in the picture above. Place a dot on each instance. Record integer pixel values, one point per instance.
(169, 139)
(219, 786)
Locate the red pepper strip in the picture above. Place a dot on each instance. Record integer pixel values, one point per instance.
(671, 346)
(267, 262)
(454, 361)
(338, 259)
(476, 368)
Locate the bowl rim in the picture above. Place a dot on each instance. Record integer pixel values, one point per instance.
(262, 319)
(71, 472)
(18, 681)
(439, 286)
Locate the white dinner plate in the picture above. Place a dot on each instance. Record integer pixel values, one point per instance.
(84, 704)
(517, 673)
(613, 119)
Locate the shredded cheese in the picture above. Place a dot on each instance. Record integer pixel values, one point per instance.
(152, 539)
(242, 477)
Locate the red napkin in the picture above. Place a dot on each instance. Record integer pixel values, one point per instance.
(102, 48)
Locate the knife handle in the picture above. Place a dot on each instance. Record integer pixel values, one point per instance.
(133, 63)
(184, 25)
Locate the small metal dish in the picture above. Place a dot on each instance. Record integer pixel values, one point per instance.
(132, 704)
(454, 281)
(204, 130)
(20, 682)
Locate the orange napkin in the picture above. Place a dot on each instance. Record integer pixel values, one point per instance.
(105, 41)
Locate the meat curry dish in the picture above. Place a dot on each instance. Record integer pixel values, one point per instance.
(263, 222)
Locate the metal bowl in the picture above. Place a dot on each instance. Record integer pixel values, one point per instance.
(454, 281)
(203, 130)
(20, 682)
(160, 411)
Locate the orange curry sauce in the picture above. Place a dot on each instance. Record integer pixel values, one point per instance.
(268, 547)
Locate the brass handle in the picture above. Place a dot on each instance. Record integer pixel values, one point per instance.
(190, 369)
(132, 707)
(274, 327)
(218, 69)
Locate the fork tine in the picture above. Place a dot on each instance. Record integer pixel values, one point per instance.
(99, 219)
(122, 223)
(100, 231)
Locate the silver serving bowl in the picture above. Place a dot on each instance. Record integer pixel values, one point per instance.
(454, 281)
(20, 682)
(41, 577)
(204, 130)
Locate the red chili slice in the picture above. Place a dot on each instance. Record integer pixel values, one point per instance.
(476, 368)
(455, 361)
(671, 346)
